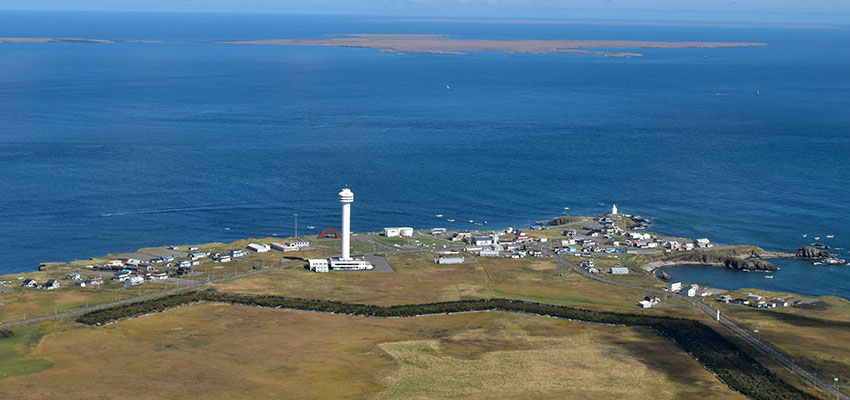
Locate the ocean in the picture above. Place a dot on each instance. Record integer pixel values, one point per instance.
(112, 147)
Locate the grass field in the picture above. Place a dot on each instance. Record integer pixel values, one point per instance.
(222, 351)
(16, 353)
(418, 280)
(17, 303)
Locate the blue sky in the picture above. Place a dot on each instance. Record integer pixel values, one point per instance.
(789, 11)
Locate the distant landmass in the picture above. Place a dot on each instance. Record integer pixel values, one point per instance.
(442, 44)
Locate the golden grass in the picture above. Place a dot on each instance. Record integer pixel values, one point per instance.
(17, 302)
(217, 351)
(418, 280)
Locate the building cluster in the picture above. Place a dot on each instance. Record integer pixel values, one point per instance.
(398, 232)
(132, 272)
(690, 291)
(49, 285)
(755, 300)
(591, 267)
(649, 301)
(509, 243)
(606, 236)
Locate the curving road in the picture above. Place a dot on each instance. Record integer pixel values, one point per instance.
(745, 333)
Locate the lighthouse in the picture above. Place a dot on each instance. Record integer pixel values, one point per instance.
(614, 209)
(346, 197)
(345, 261)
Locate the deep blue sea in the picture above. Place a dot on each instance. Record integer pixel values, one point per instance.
(175, 142)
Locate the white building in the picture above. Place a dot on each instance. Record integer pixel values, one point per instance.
(259, 248)
(134, 280)
(319, 264)
(134, 262)
(619, 270)
(448, 260)
(396, 232)
(645, 304)
(481, 241)
(614, 209)
(488, 253)
(674, 286)
(703, 243)
(391, 232)
(690, 292)
(350, 263)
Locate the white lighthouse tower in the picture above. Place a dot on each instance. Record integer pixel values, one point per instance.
(345, 261)
(346, 197)
(614, 209)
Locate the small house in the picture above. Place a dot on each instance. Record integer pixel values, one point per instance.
(51, 284)
(780, 302)
(481, 241)
(645, 304)
(121, 276)
(74, 277)
(619, 270)
(238, 253)
(674, 286)
(134, 281)
(29, 283)
(690, 292)
(725, 298)
(703, 243)
(134, 262)
(80, 284)
(488, 253)
(158, 275)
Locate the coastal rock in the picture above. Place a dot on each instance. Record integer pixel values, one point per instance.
(811, 252)
(664, 276)
(750, 265)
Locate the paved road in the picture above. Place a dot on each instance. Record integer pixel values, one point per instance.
(194, 284)
(745, 333)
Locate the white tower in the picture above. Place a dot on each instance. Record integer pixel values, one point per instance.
(614, 209)
(346, 197)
